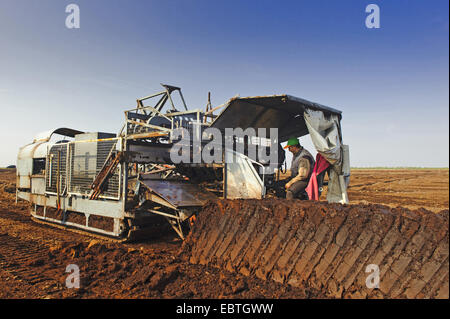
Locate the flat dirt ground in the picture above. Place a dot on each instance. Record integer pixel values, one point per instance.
(34, 257)
(410, 188)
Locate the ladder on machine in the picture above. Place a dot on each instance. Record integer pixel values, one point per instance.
(105, 173)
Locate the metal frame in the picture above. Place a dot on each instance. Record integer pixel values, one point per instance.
(141, 136)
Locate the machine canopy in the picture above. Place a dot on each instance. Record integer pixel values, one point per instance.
(284, 112)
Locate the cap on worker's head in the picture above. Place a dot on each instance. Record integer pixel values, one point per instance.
(293, 141)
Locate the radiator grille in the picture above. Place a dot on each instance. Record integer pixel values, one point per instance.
(86, 161)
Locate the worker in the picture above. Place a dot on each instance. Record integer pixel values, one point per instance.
(301, 169)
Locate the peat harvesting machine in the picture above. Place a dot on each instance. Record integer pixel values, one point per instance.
(154, 173)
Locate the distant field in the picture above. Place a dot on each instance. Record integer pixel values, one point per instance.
(408, 187)
(395, 186)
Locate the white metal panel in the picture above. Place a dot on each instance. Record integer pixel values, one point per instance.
(24, 169)
(38, 185)
(41, 150)
(242, 180)
(23, 195)
(26, 151)
(43, 136)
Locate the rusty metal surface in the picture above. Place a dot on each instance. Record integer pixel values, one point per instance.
(179, 193)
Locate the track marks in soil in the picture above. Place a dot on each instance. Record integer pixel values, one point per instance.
(20, 259)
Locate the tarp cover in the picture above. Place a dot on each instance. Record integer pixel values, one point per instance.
(324, 132)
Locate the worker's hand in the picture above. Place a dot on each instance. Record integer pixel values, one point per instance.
(287, 185)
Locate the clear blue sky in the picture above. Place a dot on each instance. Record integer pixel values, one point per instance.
(391, 83)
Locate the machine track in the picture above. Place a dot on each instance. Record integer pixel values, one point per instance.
(79, 231)
(327, 246)
(135, 233)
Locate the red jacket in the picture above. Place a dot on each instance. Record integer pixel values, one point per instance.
(313, 188)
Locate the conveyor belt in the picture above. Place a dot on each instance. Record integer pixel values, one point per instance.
(179, 193)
